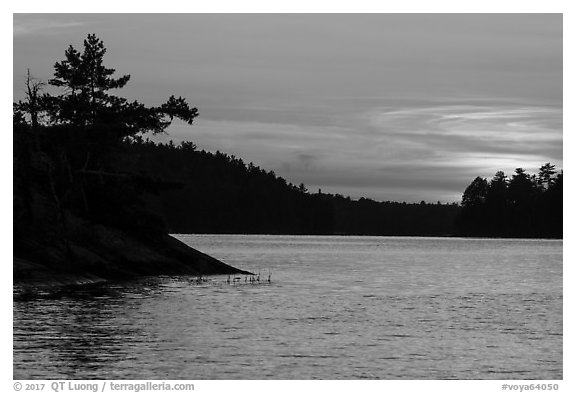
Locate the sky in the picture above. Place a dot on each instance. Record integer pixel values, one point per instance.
(403, 107)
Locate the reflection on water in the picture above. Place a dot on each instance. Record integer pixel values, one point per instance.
(350, 308)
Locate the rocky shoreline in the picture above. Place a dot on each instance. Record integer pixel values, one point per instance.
(95, 253)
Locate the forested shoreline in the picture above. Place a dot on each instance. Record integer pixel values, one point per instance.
(219, 193)
(528, 206)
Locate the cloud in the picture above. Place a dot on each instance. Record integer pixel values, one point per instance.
(447, 132)
(402, 152)
(29, 26)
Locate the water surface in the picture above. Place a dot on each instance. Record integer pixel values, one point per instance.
(336, 308)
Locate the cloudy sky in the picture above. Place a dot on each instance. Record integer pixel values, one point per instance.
(404, 107)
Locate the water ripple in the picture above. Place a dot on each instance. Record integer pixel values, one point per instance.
(410, 309)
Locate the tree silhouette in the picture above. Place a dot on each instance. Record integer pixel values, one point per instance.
(474, 208)
(83, 130)
(546, 175)
(521, 187)
(475, 194)
(498, 190)
(497, 203)
(84, 99)
(524, 206)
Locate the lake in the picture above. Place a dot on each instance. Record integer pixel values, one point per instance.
(335, 308)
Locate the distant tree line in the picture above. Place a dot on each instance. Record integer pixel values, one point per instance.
(219, 193)
(521, 206)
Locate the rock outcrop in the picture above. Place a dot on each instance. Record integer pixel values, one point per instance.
(92, 253)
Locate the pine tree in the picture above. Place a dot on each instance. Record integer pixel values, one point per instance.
(84, 129)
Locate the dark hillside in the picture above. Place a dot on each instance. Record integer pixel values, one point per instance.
(218, 193)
